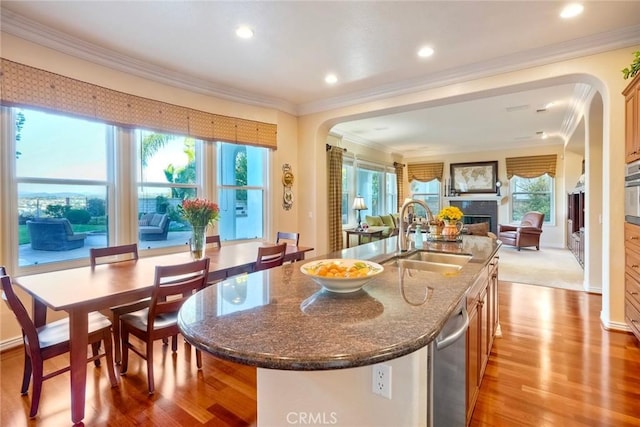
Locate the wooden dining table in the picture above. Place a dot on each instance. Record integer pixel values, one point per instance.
(81, 290)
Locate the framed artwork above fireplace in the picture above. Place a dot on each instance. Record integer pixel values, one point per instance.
(477, 177)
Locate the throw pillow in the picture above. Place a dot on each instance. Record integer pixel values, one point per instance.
(479, 229)
(374, 221)
(387, 220)
(155, 221)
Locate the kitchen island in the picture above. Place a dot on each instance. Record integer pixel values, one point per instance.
(313, 347)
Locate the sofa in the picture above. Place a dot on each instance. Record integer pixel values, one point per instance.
(387, 223)
(153, 226)
(54, 234)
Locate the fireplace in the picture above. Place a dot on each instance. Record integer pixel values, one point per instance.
(477, 211)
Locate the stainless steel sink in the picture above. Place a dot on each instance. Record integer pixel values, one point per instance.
(438, 257)
(435, 267)
(430, 261)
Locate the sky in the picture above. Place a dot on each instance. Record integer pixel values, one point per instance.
(54, 146)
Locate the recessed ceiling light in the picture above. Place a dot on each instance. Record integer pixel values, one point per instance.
(425, 52)
(244, 32)
(549, 105)
(572, 10)
(331, 79)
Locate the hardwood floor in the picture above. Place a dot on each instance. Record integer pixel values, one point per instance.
(553, 366)
(556, 366)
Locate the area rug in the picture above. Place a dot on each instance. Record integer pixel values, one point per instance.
(552, 267)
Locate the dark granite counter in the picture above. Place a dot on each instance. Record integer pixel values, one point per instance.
(281, 319)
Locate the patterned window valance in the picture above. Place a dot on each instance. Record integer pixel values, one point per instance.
(25, 86)
(531, 166)
(425, 172)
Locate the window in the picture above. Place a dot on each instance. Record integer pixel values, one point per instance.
(369, 184)
(167, 174)
(532, 194)
(428, 192)
(392, 191)
(376, 183)
(241, 180)
(61, 166)
(348, 214)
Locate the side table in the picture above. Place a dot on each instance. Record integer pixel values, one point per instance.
(370, 233)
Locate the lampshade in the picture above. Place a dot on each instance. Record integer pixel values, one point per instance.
(358, 203)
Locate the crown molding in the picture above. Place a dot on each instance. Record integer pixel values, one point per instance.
(35, 32)
(617, 39)
(582, 93)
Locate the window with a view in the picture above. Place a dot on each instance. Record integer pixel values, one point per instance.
(376, 183)
(61, 172)
(348, 216)
(532, 194)
(167, 174)
(241, 181)
(428, 192)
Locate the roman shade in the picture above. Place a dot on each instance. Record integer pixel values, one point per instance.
(531, 166)
(425, 172)
(25, 86)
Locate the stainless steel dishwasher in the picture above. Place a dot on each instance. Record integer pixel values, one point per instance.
(447, 372)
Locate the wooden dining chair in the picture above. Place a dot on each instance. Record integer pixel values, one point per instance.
(109, 255)
(173, 284)
(52, 340)
(214, 240)
(292, 238)
(270, 256)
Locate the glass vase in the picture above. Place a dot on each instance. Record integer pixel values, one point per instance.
(197, 241)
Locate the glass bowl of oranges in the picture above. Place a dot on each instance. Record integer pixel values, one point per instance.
(341, 274)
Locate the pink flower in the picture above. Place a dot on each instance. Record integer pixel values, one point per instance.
(200, 212)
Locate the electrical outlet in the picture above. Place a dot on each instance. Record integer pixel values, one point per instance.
(381, 383)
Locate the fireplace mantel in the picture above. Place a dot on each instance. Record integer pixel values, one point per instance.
(476, 198)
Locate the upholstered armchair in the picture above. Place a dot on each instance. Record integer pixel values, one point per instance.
(526, 234)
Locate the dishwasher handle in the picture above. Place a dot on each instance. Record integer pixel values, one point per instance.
(453, 337)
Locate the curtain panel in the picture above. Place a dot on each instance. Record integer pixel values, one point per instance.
(531, 166)
(25, 86)
(334, 182)
(399, 167)
(425, 172)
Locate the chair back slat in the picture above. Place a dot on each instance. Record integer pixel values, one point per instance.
(215, 240)
(173, 284)
(21, 314)
(113, 254)
(270, 256)
(292, 238)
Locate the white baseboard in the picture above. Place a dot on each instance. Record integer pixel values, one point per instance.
(10, 343)
(614, 326)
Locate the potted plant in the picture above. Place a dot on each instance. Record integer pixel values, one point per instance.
(632, 70)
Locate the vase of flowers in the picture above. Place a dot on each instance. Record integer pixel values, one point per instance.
(451, 216)
(200, 213)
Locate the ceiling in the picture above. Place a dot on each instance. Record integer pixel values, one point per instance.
(370, 46)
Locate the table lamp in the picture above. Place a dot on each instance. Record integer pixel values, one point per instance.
(359, 205)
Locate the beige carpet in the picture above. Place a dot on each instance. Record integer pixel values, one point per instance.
(556, 268)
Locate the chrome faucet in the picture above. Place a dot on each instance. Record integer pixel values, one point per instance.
(403, 237)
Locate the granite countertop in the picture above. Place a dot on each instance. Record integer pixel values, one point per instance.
(281, 319)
